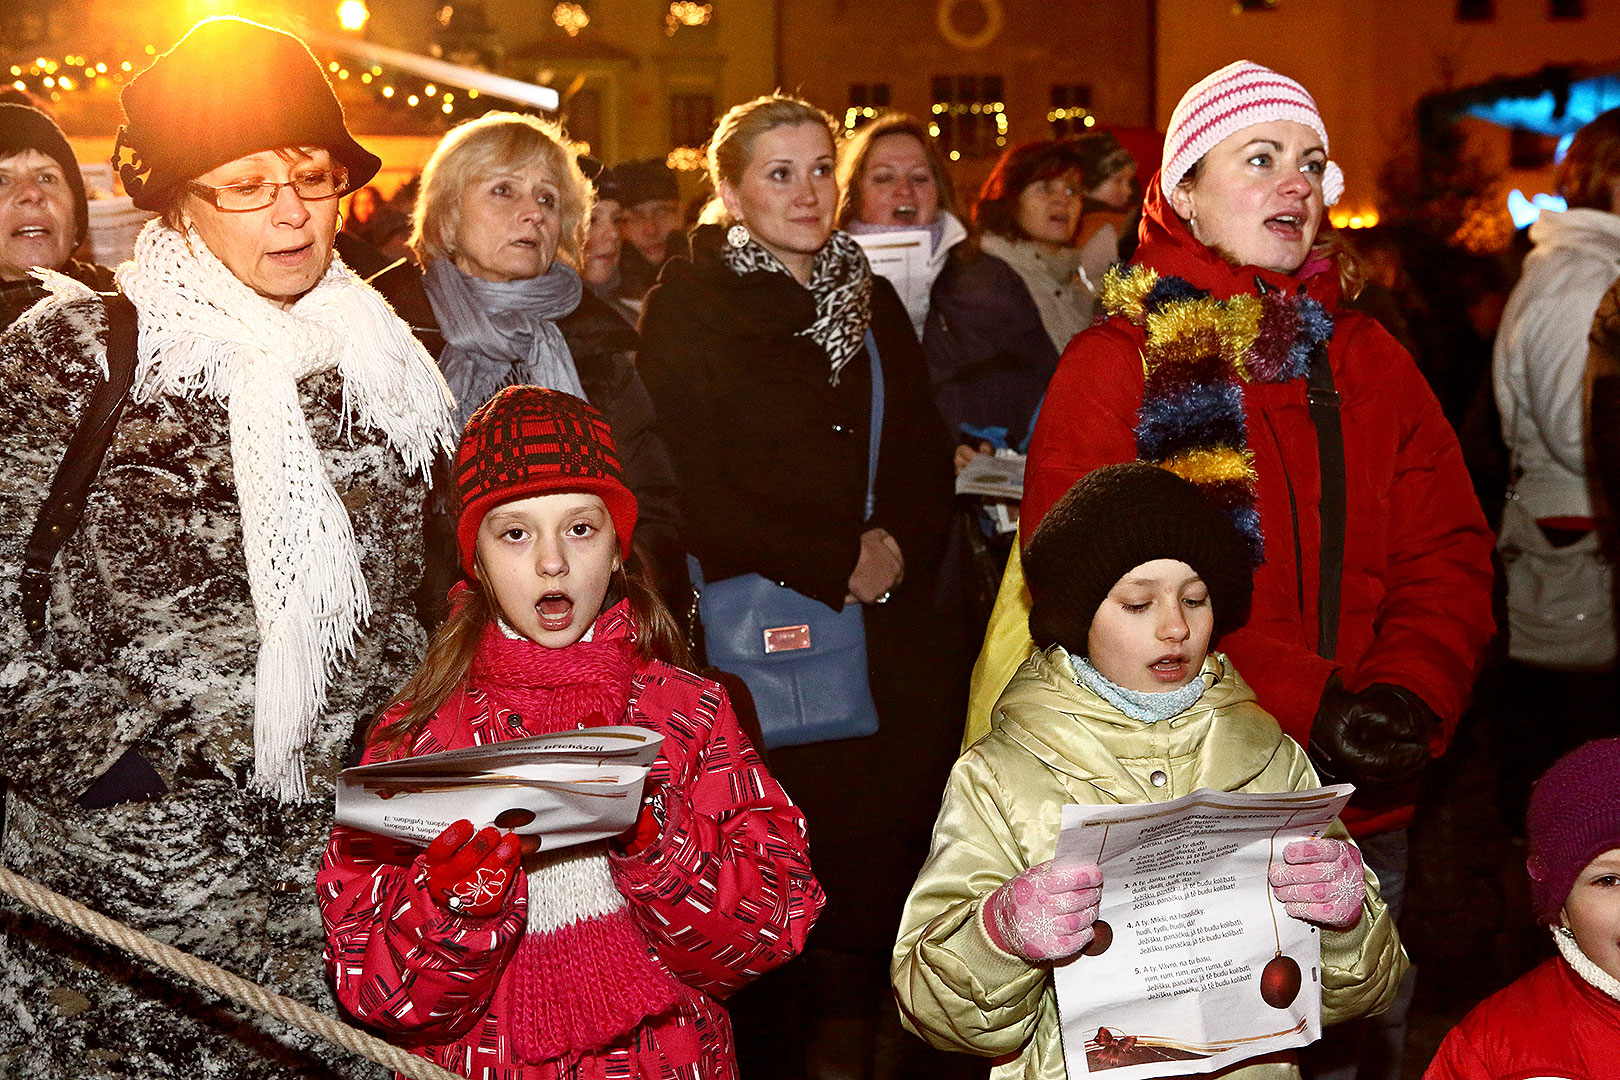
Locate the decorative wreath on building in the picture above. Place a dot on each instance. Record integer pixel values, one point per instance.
(994, 19)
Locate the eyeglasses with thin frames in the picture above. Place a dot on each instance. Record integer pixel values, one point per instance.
(242, 198)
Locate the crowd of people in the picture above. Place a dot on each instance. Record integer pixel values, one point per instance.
(533, 456)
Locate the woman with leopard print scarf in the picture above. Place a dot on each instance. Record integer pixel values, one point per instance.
(755, 351)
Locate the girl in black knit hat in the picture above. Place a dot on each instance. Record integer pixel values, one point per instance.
(1134, 574)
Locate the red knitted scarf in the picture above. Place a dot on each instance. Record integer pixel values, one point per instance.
(585, 977)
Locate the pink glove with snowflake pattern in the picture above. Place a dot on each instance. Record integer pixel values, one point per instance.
(1046, 913)
(1321, 881)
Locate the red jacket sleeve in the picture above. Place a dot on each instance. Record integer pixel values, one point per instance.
(1435, 619)
(399, 962)
(1087, 420)
(725, 893)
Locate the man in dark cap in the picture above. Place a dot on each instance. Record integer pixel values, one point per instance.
(651, 211)
(43, 213)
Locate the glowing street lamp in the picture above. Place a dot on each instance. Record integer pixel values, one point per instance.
(352, 14)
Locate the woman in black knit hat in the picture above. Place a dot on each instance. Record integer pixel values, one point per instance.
(237, 600)
(44, 215)
(1134, 574)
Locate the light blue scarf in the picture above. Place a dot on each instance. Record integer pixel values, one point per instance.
(1146, 706)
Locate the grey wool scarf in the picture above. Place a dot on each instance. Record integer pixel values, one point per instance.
(503, 333)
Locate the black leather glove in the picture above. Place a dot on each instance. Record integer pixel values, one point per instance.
(1376, 738)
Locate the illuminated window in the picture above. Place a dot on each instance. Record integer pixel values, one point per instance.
(866, 102)
(1476, 10)
(691, 119)
(971, 115)
(1070, 113)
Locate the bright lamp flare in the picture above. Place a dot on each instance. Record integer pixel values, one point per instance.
(352, 14)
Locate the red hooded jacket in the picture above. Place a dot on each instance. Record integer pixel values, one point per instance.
(1415, 607)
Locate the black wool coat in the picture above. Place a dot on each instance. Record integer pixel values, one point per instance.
(773, 465)
(772, 456)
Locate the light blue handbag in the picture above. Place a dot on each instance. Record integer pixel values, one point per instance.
(804, 663)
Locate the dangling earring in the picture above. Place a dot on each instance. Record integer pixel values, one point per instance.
(737, 236)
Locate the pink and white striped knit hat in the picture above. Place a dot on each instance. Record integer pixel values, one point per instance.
(1239, 95)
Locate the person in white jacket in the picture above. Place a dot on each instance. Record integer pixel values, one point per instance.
(1561, 625)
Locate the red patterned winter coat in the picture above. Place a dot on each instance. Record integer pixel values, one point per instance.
(723, 894)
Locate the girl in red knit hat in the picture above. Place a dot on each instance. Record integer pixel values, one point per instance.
(607, 958)
(1563, 1018)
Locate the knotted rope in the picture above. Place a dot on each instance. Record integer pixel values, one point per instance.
(221, 981)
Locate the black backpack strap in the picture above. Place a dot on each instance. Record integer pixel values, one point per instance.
(64, 505)
(1324, 401)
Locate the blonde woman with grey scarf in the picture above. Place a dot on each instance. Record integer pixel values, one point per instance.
(495, 294)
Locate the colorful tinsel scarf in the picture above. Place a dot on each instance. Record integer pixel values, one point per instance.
(1198, 354)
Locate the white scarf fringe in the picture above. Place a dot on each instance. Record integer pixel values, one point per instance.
(203, 332)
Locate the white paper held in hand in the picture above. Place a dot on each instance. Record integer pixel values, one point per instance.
(558, 790)
(1202, 967)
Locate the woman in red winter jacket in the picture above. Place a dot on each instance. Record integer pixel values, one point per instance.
(605, 958)
(1562, 1019)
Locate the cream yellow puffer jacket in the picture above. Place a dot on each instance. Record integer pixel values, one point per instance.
(1057, 743)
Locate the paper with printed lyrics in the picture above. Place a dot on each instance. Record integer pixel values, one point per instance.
(902, 256)
(999, 476)
(1195, 966)
(556, 790)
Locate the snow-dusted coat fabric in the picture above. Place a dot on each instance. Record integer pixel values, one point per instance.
(1560, 608)
(1057, 743)
(1550, 1023)
(151, 651)
(724, 894)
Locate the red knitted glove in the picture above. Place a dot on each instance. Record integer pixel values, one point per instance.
(1320, 881)
(1046, 913)
(472, 875)
(649, 824)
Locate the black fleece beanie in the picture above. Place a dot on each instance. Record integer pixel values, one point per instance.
(229, 88)
(24, 128)
(1118, 518)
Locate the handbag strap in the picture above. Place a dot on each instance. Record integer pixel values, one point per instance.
(64, 505)
(875, 429)
(1324, 402)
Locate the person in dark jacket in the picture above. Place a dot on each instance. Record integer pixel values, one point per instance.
(236, 601)
(755, 351)
(1011, 296)
(649, 222)
(44, 215)
(497, 300)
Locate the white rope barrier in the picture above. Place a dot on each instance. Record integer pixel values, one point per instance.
(221, 981)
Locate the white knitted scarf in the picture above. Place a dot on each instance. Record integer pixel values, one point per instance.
(205, 333)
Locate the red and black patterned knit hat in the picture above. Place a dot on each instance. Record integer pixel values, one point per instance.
(527, 440)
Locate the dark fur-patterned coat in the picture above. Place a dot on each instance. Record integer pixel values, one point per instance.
(151, 651)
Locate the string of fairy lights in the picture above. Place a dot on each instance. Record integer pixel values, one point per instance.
(56, 77)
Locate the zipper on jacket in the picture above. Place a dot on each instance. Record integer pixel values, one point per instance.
(1293, 513)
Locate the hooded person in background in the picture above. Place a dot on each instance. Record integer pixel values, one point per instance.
(44, 215)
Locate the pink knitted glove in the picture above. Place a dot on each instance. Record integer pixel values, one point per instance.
(1320, 881)
(1045, 913)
